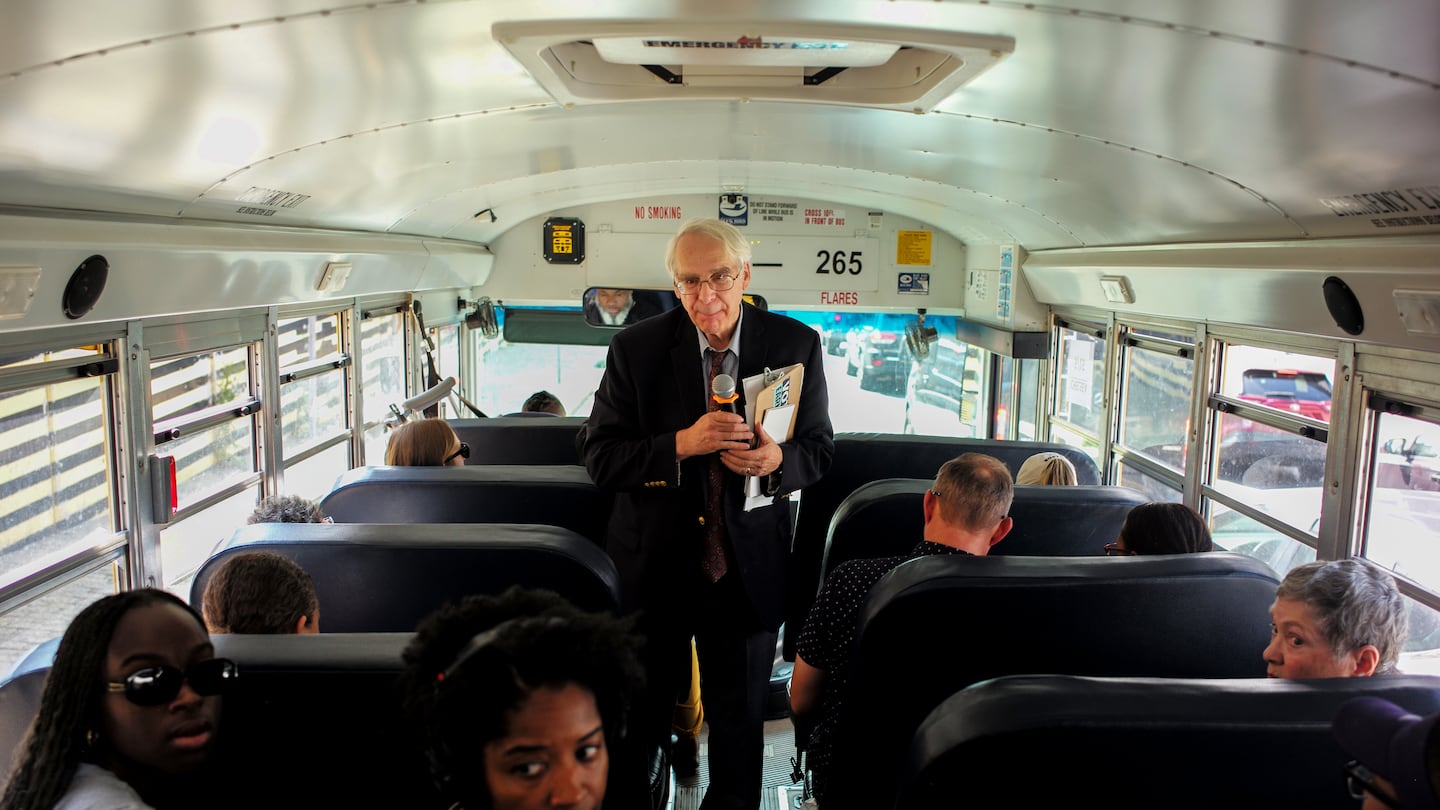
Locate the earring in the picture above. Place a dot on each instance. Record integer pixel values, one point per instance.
(91, 737)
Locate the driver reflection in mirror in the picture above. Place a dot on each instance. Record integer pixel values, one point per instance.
(608, 306)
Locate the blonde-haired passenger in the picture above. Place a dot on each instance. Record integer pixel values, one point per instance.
(426, 443)
(1047, 469)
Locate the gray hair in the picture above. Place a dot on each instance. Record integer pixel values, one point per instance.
(975, 491)
(286, 509)
(737, 247)
(1357, 604)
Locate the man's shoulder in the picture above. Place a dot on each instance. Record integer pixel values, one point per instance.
(863, 572)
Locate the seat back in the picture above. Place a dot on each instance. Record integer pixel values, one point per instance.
(1143, 742)
(325, 709)
(935, 625)
(864, 457)
(884, 518)
(387, 577)
(520, 439)
(19, 702)
(553, 495)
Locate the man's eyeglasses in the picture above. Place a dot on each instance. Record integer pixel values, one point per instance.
(153, 686)
(1114, 550)
(463, 452)
(1361, 781)
(720, 282)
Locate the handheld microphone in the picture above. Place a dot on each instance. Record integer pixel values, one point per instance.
(722, 391)
(428, 397)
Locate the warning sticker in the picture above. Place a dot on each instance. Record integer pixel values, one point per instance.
(824, 216)
(912, 248)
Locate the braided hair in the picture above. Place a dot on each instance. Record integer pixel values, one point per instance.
(70, 706)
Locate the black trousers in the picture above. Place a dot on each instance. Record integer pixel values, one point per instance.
(736, 655)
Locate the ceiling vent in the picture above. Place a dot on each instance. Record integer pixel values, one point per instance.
(909, 69)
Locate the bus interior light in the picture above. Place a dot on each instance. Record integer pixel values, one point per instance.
(1419, 311)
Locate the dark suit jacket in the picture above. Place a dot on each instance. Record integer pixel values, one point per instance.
(654, 387)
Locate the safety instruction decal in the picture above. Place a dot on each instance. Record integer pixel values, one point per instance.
(912, 248)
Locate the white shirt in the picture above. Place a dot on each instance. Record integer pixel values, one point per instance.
(94, 788)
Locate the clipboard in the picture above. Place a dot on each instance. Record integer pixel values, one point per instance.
(772, 400)
(777, 403)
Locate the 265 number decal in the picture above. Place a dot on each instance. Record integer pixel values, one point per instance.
(839, 263)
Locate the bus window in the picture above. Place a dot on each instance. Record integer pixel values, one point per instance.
(1079, 399)
(447, 360)
(510, 372)
(1267, 460)
(212, 447)
(314, 425)
(1157, 372)
(186, 544)
(1402, 521)
(204, 416)
(54, 469)
(1027, 401)
(47, 616)
(382, 377)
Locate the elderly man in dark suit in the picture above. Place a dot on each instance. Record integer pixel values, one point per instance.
(691, 559)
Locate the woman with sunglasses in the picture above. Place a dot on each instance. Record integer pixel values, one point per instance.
(426, 443)
(130, 710)
(518, 700)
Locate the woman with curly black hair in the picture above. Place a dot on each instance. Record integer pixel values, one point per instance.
(518, 698)
(129, 713)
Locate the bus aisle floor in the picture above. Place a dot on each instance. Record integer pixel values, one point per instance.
(779, 748)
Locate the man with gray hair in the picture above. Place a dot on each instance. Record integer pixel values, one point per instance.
(700, 528)
(966, 512)
(1336, 619)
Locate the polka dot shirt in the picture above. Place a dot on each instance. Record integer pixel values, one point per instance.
(829, 632)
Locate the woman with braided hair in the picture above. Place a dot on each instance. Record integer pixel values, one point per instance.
(130, 710)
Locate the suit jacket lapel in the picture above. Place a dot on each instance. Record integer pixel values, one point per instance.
(752, 347)
(685, 360)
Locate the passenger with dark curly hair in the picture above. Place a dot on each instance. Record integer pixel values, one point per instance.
(286, 509)
(261, 592)
(518, 699)
(130, 711)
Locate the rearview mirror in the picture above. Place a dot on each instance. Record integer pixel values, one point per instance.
(615, 306)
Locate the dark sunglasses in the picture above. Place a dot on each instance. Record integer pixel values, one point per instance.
(463, 452)
(1361, 781)
(153, 686)
(1114, 550)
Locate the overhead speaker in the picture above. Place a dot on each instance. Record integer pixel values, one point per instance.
(85, 286)
(1343, 305)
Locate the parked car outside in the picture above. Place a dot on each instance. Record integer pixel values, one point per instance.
(1411, 462)
(1306, 393)
(875, 353)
